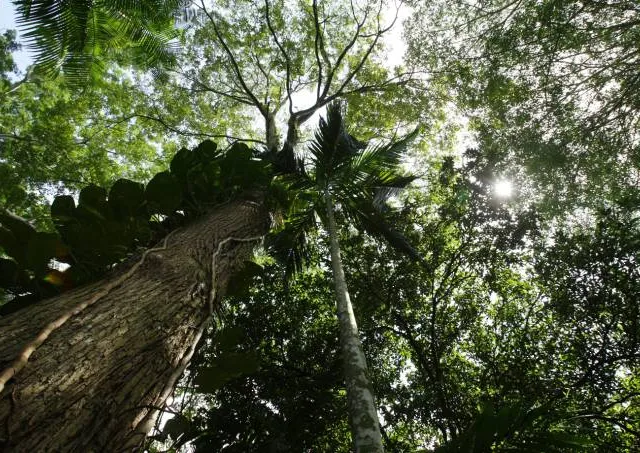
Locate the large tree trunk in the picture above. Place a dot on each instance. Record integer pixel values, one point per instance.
(94, 383)
(363, 416)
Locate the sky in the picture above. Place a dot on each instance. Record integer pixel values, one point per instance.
(7, 21)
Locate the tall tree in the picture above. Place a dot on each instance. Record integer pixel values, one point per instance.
(97, 416)
(345, 173)
(477, 350)
(277, 63)
(91, 368)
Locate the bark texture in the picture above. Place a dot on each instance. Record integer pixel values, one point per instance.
(363, 416)
(92, 386)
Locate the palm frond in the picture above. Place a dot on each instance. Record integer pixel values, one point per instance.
(375, 173)
(290, 243)
(359, 178)
(379, 166)
(333, 147)
(77, 37)
(362, 213)
(387, 156)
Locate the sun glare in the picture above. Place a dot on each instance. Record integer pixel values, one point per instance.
(503, 188)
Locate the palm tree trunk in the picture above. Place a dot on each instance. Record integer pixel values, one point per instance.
(97, 381)
(363, 416)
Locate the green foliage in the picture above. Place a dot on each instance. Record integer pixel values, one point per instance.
(476, 350)
(280, 59)
(8, 45)
(517, 332)
(358, 178)
(79, 36)
(56, 141)
(227, 363)
(106, 228)
(125, 198)
(294, 400)
(514, 425)
(163, 193)
(179, 429)
(241, 281)
(547, 87)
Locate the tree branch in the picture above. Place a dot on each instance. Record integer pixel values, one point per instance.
(318, 43)
(284, 54)
(234, 63)
(182, 132)
(206, 87)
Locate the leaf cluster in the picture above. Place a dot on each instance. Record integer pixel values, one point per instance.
(105, 228)
(356, 177)
(80, 36)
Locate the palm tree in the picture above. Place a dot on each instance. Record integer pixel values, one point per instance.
(79, 36)
(356, 179)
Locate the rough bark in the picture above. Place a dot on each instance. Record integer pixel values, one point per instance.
(363, 416)
(271, 131)
(92, 386)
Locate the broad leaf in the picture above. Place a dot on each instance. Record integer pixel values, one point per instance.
(126, 197)
(42, 248)
(62, 208)
(163, 194)
(94, 198)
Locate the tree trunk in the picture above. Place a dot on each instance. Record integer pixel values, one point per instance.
(271, 131)
(97, 381)
(363, 416)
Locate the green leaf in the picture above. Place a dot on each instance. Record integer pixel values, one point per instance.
(225, 368)
(10, 245)
(203, 182)
(181, 163)
(42, 247)
(20, 228)
(242, 280)
(180, 427)
(238, 170)
(94, 198)
(126, 197)
(229, 338)
(163, 194)
(63, 208)
(206, 151)
(567, 440)
(484, 428)
(239, 152)
(505, 419)
(8, 273)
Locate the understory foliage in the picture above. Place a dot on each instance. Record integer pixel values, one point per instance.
(489, 345)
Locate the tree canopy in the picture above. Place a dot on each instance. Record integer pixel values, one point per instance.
(549, 86)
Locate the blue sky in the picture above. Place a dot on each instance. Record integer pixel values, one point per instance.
(7, 21)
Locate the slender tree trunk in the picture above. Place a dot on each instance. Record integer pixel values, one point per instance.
(365, 426)
(97, 381)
